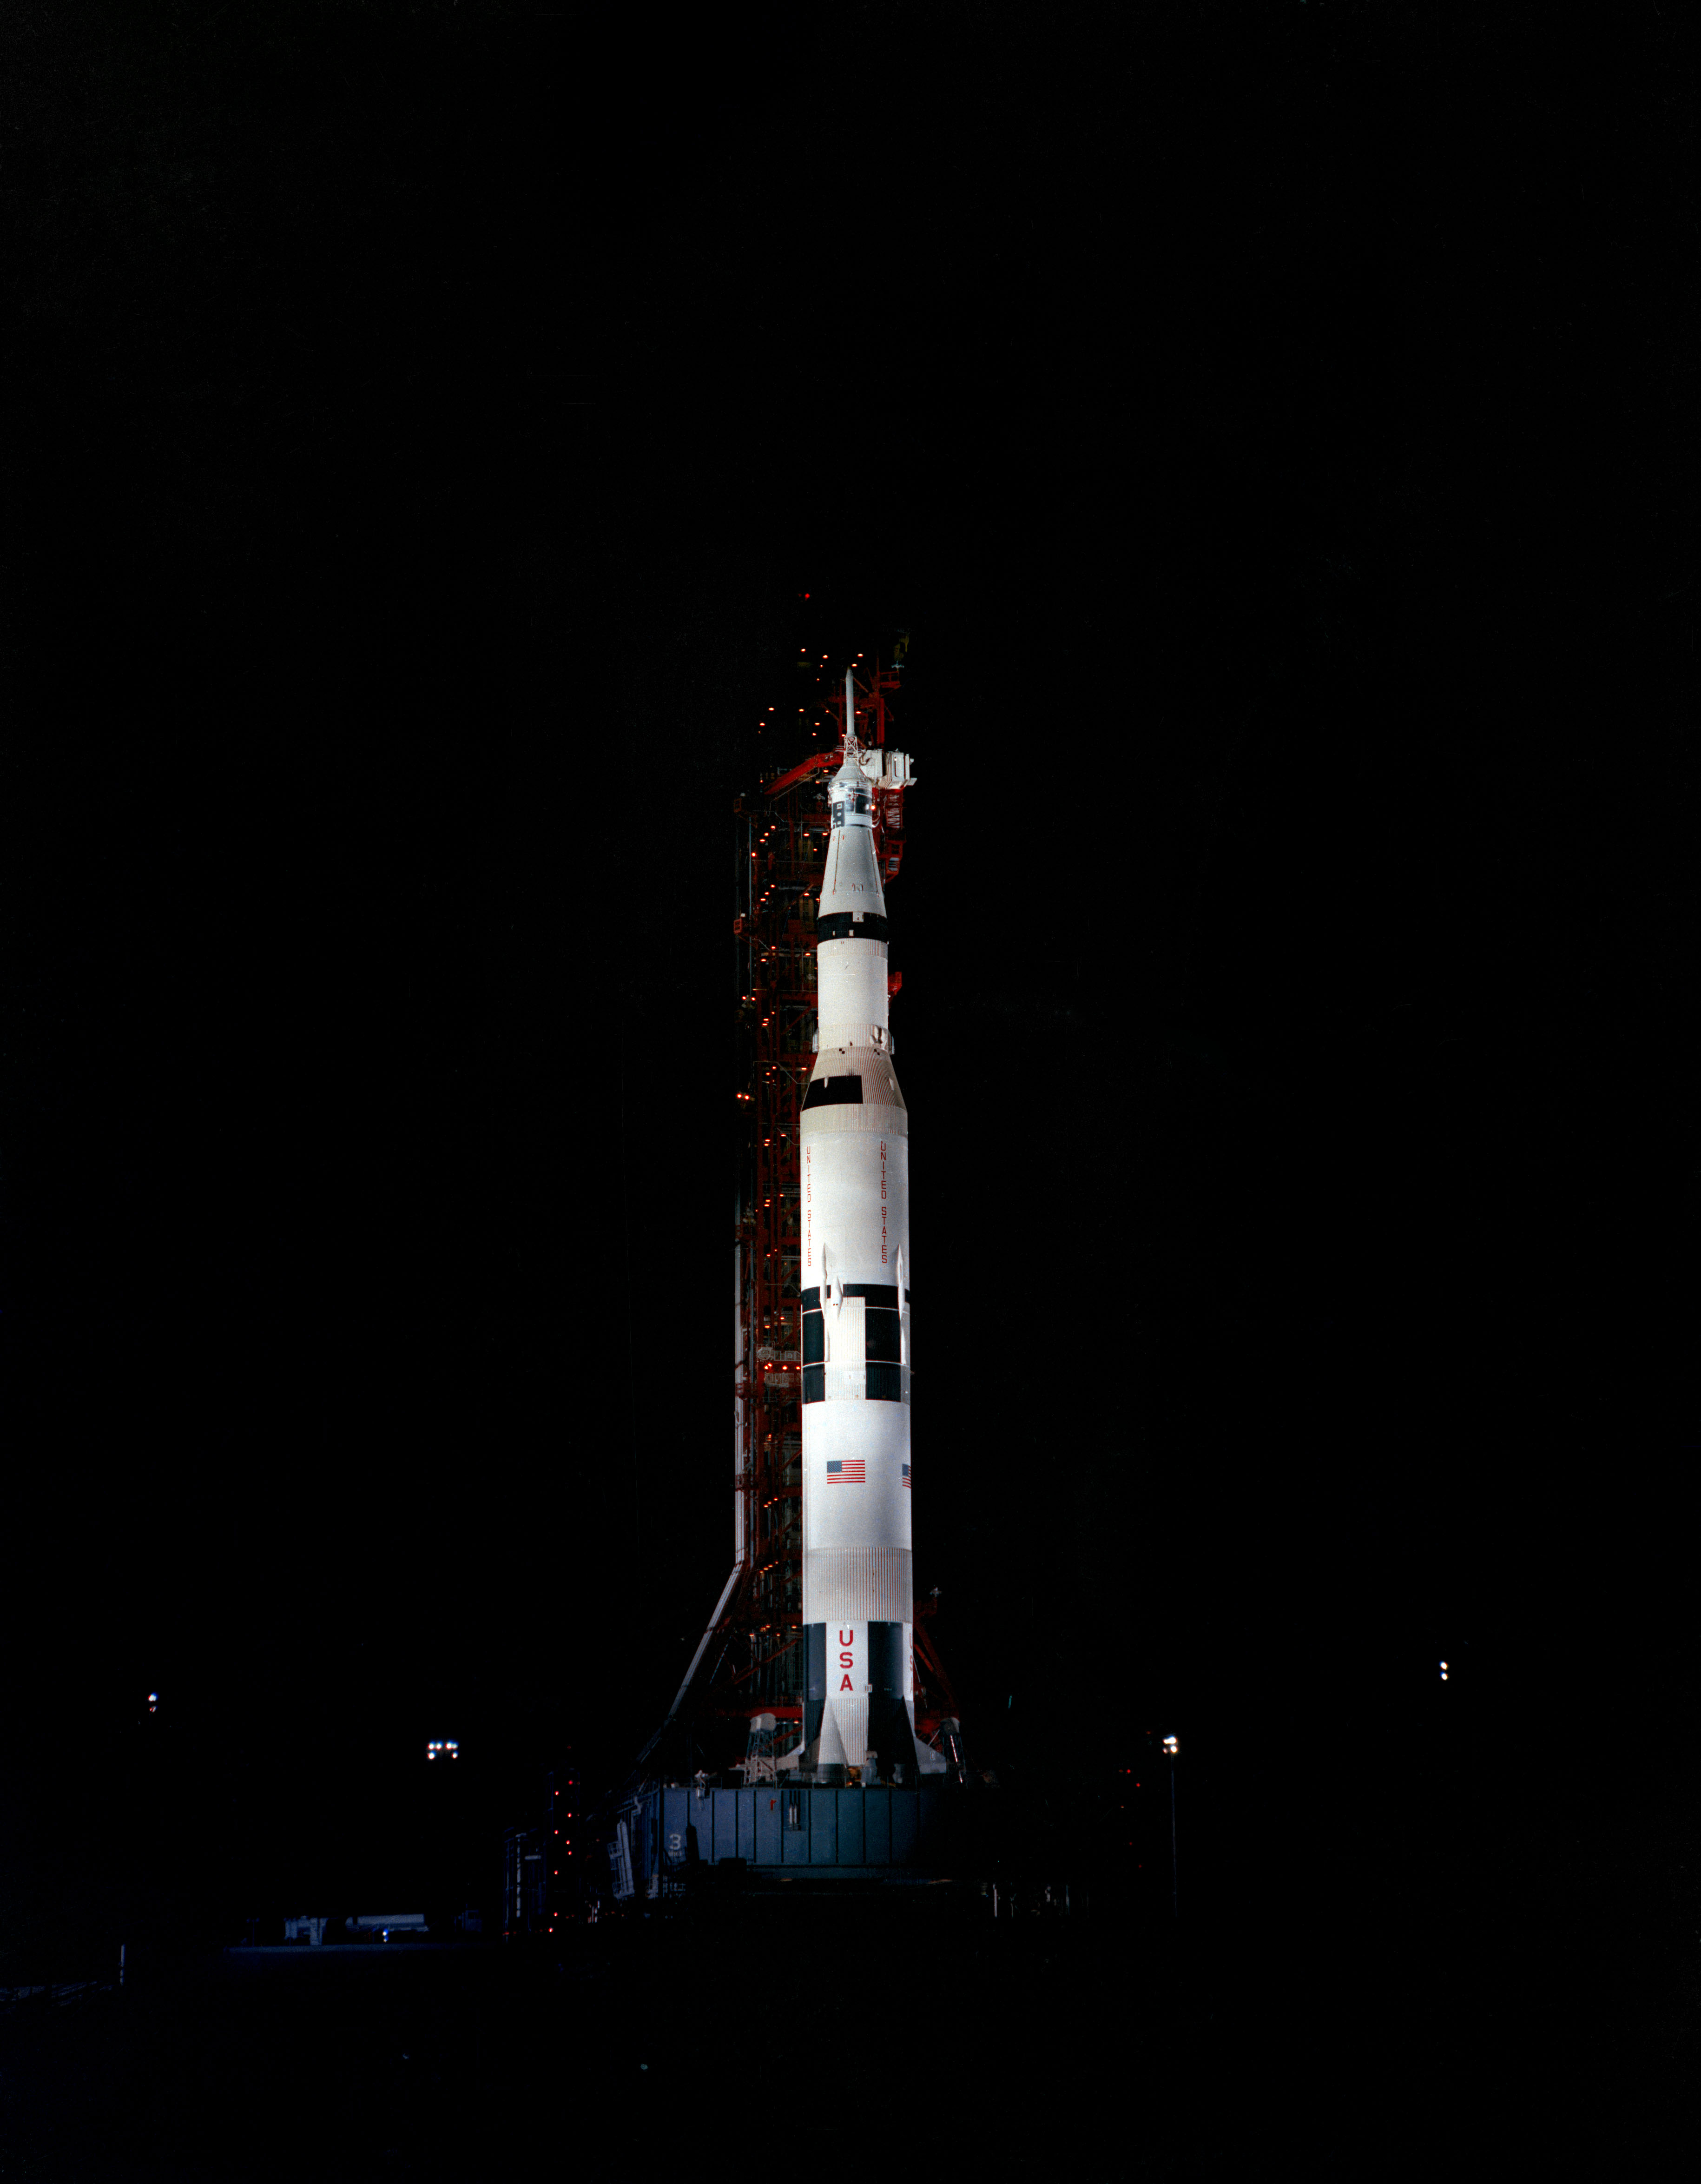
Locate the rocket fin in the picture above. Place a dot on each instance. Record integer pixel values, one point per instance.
(832, 1749)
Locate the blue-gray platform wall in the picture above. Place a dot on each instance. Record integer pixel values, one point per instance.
(783, 1828)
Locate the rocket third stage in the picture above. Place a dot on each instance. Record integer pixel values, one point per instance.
(858, 1592)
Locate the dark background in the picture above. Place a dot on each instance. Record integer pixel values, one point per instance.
(433, 433)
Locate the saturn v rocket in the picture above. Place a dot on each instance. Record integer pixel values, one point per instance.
(853, 1143)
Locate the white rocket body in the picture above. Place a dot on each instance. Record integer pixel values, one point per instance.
(858, 1590)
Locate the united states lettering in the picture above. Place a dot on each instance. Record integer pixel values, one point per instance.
(846, 1471)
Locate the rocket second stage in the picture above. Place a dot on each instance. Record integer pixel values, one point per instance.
(853, 1141)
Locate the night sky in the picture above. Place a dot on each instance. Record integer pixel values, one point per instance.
(433, 434)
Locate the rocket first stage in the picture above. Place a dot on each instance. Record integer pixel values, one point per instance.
(858, 1592)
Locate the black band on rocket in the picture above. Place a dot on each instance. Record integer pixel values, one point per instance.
(876, 1293)
(852, 925)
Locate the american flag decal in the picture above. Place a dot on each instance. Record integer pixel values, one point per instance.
(846, 1471)
(906, 1474)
